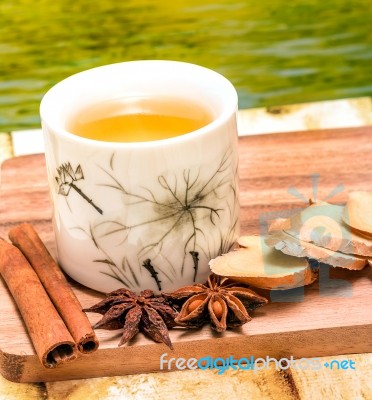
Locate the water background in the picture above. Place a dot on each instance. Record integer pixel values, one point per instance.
(275, 52)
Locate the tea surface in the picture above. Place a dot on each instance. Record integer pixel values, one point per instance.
(139, 119)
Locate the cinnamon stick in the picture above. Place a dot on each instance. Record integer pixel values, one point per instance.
(48, 332)
(28, 241)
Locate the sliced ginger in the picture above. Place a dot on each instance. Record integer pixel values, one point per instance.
(261, 266)
(322, 225)
(298, 248)
(358, 212)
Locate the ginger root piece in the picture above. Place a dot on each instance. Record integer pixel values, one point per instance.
(358, 212)
(322, 225)
(366, 235)
(298, 248)
(263, 267)
(278, 224)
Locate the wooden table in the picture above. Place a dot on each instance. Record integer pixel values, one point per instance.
(278, 172)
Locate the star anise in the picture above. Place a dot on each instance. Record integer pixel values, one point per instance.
(150, 314)
(223, 303)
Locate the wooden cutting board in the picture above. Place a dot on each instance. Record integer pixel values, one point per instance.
(278, 174)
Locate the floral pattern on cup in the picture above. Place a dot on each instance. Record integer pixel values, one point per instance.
(184, 200)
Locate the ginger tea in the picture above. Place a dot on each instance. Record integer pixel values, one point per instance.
(139, 119)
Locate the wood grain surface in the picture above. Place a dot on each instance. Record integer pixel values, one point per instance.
(272, 169)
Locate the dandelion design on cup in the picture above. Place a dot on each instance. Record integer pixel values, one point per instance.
(66, 181)
(184, 201)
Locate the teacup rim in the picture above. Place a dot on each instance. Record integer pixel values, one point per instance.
(218, 121)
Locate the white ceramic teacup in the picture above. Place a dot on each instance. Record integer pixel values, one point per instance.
(142, 215)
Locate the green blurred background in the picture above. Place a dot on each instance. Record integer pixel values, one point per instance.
(274, 51)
